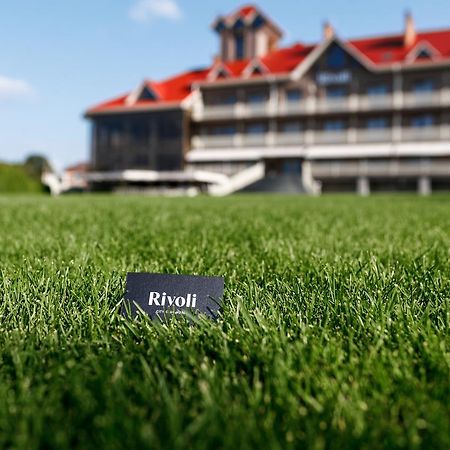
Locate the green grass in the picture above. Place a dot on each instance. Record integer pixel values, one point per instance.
(334, 334)
(15, 179)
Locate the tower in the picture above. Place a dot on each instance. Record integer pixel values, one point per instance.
(246, 34)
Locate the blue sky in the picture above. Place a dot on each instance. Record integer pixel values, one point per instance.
(60, 56)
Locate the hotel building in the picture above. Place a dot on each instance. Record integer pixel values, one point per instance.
(366, 115)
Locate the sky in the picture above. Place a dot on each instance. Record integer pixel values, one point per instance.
(58, 57)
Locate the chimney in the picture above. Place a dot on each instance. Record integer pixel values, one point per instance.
(328, 31)
(410, 36)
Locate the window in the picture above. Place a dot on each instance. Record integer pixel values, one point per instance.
(336, 58)
(222, 74)
(334, 125)
(425, 120)
(291, 167)
(377, 89)
(256, 128)
(336, 92)
(256, 97)
(291, 127)
(146, 94)
(425, 85)
(376, 123)
(228, 99)
(239, 46)
(424, 54)
(294, 95)
(223, 130)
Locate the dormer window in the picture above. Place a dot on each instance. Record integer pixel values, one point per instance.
(146, 95)
(424, 54)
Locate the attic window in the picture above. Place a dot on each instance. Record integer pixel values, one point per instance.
(256, 70)
(424, 54)
(388, 56)
(147, 94)
(221, 74)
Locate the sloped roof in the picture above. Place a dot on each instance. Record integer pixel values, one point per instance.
(391, 49)
(381, 52)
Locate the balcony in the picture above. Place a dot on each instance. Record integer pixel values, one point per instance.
(254, 140)
(375, 135)
(431, 133)
(223, 141)
(312, 105)
(384, 169)
(219, 111)
(299, 107)
(333, 104)
(420, 99)
(381, 101)
(255, 109)
(331, 137)
(290, 138)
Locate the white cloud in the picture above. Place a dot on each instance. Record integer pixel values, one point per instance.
(11, 88)
(146, 10)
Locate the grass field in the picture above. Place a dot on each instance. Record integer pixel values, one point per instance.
(334, 333)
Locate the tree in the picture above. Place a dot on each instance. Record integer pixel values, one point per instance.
(36, 165)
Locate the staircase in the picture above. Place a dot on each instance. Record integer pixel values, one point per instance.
(289, 184)
(238, 182)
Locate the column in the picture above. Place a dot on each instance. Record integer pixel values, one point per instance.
(363, 186)
(398, 89)
(424, 186)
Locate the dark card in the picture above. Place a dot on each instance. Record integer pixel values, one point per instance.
(162, 296)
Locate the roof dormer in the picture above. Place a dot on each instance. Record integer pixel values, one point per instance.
(144, 92)
(246, 34)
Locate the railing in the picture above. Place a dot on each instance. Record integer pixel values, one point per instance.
(379, 169)
(332, 104)
(421, 133)
(332, 137)
(255, 109)
(374, 135)
(220, 111)
(312, 105)
(380, 101)
(213, 141)
(253, 140)
(418, 99)
(290, 138)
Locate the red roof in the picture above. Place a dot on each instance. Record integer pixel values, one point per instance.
(80, 167)
(379, 51)
(391, 49)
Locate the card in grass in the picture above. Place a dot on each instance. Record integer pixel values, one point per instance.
(161, 296)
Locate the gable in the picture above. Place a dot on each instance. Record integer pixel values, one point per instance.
(423, 51)
(146, 94)
(335, 66)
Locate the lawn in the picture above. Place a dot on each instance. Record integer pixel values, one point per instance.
(334, 331)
